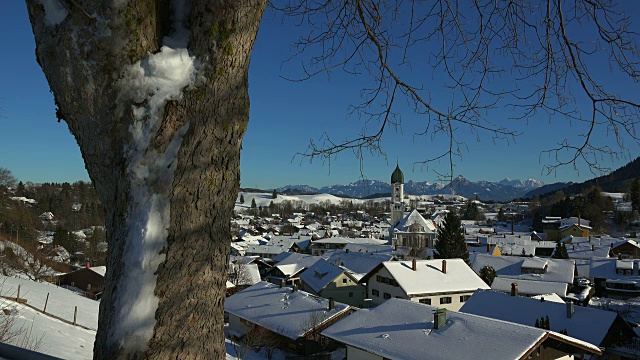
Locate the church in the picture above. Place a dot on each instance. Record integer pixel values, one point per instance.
(412, 230)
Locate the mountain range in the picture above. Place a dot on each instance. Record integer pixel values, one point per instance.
(503, 190)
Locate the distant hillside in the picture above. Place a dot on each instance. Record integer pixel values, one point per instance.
(616, 181)
(548, 189)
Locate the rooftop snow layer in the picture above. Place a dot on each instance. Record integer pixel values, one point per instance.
(281, 310)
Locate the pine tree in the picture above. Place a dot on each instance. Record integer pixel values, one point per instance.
(634, 194)
(275, 194)
(241, 198)
(561, 251)
(546, 323)
(450, 242)
(253, 203)
(487, 274)
(537, 323)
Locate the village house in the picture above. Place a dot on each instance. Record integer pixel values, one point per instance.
(404, 330)
(320, 246)
(288, 270)
(535, 276)
(358, 263)
(444, 283)
(615, 278)
(602, 328)
(331, 281)
(88, 279)
(295, 317)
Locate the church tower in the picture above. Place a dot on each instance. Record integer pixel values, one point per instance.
(397, 195)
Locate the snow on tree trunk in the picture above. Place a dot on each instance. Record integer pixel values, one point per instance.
(156, 95)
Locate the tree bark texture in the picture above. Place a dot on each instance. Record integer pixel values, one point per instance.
(83, 54)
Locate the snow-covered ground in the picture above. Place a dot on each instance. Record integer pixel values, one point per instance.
(67, 341)
(62, 302)
(263, 199)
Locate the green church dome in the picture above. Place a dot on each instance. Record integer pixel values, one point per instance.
(397, 176)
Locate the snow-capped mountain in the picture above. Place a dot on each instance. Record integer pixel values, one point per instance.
(503, 190)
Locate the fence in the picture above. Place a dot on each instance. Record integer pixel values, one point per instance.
(23, 301)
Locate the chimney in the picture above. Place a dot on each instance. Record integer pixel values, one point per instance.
(88, 265)
(444, 266)
(395, 247)
(332, 304)
(281, 283)
(514, 289)
(439, 318)
(593, 247)
(414, 265)
(346, 250)
(488, 247)
(569, 309)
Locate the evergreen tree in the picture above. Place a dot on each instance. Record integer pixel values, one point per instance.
(241, 198)
(501, 216)
(537, 221)
(253, 203)
(537, 323)
(546, 323)
(487, 274)
(450, 242)
(634, 194)
(561, 251)
(275, 194)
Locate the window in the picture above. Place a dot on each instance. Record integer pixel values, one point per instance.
(387, 296)
(425, 301)
(375, 292)
(350, 294)
(379, 279)
(464, 298)
(344, 281)
(445, 300)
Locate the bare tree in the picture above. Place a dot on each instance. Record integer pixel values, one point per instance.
(6, 178)
(551, 52)
(258, 338)
(156, 96)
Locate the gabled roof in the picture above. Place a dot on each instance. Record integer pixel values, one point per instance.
(399, 329)
(414, 217)
(320, 274)
(530, 287)
(558, 270)
(295, 263)
(428, 277)
(281, 310)
(587, 324)
(359, 264)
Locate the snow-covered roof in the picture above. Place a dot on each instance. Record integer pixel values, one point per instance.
(282, 310)
(320, 274)
(345, 240)
(558, 270)
(400, 329)
(359, 264)
(100, 270)
(535, 263)
(587, 324)
(295, 263)
(530, 287)
(605, 268)
(265, 249)
(414, 217)
(428, 277)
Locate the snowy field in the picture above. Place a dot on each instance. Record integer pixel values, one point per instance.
(61, 301)
(63, 340)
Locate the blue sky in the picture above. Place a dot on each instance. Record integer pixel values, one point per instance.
(284, 117)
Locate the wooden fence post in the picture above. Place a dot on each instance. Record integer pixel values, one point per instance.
(75, 315)
(44, 311)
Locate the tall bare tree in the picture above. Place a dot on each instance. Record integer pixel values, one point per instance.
(156, 95)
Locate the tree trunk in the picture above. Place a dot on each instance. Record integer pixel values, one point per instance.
(160, 130)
